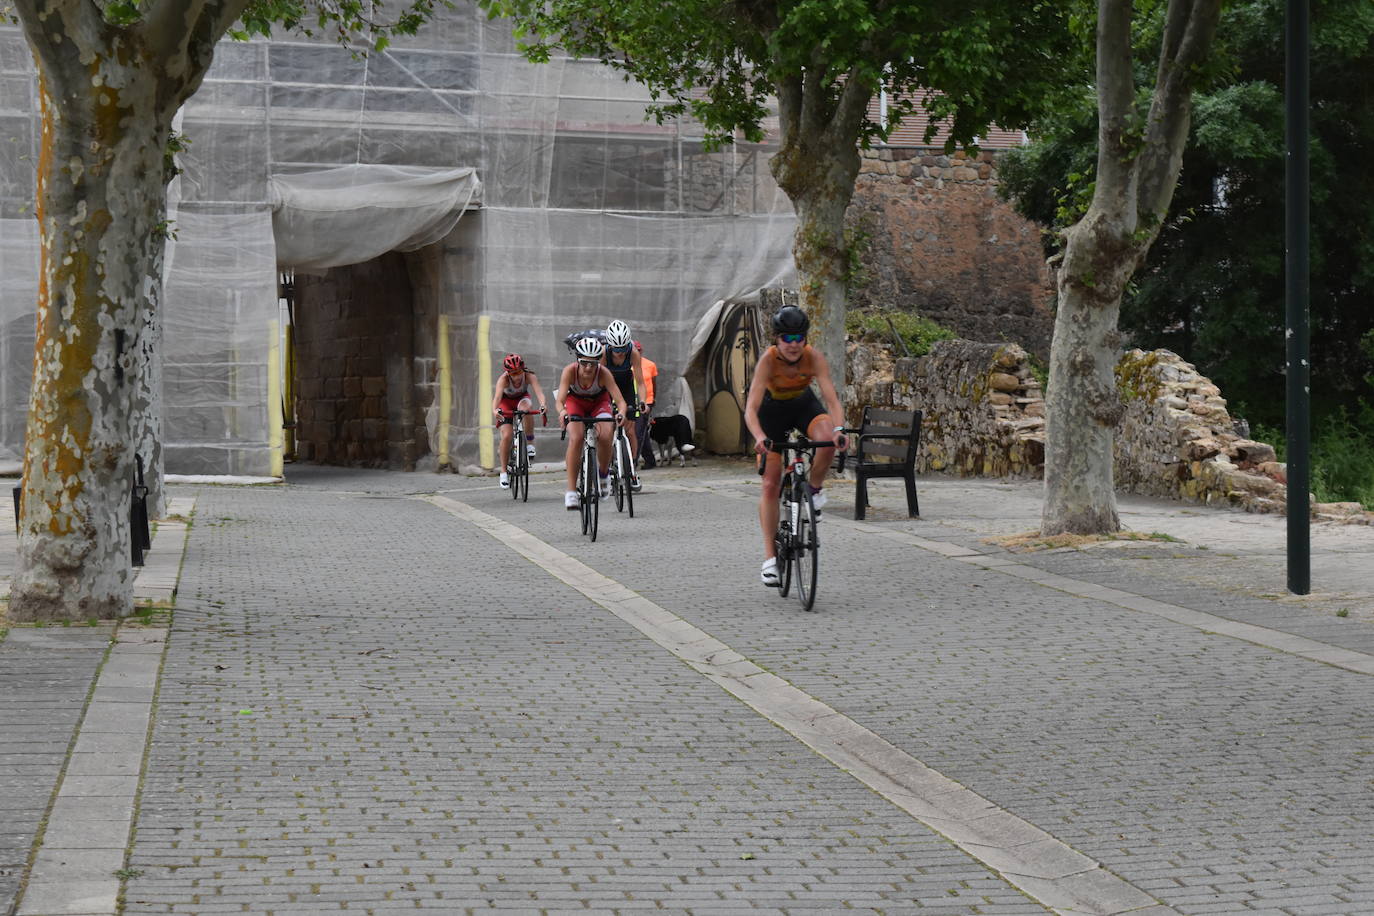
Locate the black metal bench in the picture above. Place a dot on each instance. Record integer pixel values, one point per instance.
(885, 446)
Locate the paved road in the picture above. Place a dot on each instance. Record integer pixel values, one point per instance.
(374, 702)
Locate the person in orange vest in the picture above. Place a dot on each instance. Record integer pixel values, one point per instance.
(650, 372)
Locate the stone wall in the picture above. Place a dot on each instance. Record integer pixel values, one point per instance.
(355, 386)
(983, 412)
(936, 239)
(984, 415)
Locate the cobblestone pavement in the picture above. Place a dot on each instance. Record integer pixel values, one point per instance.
(369, 704)
(45, 675)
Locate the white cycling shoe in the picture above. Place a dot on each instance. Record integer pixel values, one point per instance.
(570, 499)
(769, 573)
(818, 500)
(529, 449)
(505, 481)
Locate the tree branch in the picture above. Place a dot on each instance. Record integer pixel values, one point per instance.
(183, 35)
(1191, 26)
(850, 111)
(59, 28)
(1115, 98)
(789, 90)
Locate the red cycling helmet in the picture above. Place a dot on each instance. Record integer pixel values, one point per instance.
(513, 363)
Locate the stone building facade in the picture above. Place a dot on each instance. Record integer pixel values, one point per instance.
(934, 238)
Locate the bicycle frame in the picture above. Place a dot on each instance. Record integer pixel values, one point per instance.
(796, 541)
(518, 461)
(588, 489)
(622, 470)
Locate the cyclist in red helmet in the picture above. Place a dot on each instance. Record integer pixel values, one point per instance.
(513, 390)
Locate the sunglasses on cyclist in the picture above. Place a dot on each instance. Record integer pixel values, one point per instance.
(624, 349)
(792, 338)
(588, 362)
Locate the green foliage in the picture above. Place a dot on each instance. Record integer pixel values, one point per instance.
(1212, 287)
(722, 61)
(348, 21)
(1342, 454)
(916, 332)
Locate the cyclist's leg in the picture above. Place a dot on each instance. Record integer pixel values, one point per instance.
(605, 434)
(774, 418)
(821, 429)
(526, 404)
(574, 453)
(768, 503)
(573, 457)
(506, 428)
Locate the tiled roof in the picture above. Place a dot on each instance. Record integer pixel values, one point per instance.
(911, 132)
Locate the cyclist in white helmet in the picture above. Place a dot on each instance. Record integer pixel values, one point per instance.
(627, 366)
(586, 389)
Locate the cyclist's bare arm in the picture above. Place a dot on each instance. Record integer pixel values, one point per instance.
(534, 386)
(500, 387)
(754, 400)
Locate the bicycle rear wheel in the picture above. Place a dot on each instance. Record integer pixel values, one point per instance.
(618, 484)
(807, 550)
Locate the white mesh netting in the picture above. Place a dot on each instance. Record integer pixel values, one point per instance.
(577, 211)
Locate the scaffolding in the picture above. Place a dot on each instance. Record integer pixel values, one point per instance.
(543, 198)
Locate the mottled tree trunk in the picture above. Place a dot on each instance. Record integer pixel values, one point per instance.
(108, 95)
(1082, 404)
(100, 189)
(1137, 171)
(816, 166)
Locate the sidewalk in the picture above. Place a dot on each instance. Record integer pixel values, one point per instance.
(386, 692)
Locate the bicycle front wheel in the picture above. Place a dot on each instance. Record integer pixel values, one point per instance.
(517, 448)
(806, 548)
(782, 547)
(627, 469)
(522, 465)
(587, 486)
(594, 504)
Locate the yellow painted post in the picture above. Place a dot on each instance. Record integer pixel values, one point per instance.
(486, 432)
(288, 401)
(445, 392)
(274, 418)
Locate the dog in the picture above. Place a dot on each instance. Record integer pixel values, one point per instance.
(673, 432)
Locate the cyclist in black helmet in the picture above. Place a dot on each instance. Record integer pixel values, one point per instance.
(781, 399)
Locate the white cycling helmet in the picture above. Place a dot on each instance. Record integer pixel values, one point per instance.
(590, 348)
(618, 334)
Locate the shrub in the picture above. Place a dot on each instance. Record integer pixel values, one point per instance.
(1342, 454)
(916, 332)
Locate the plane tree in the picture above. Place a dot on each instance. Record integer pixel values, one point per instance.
(111, 76)
(1143, 117)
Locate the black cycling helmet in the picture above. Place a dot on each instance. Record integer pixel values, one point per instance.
(790, 320)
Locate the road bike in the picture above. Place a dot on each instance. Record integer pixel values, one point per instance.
(588, 485)
(796, 542)
(518, 463)
(622, 471)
